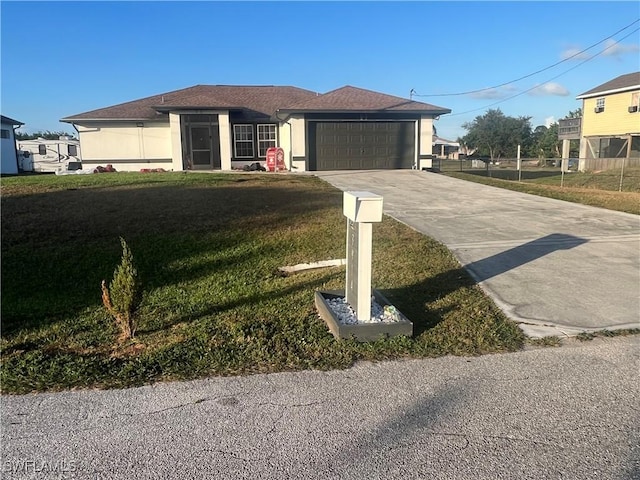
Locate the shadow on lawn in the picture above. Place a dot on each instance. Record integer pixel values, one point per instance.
(58, 246)
(249, 300)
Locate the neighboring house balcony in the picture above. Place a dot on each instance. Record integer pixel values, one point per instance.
(610, 134)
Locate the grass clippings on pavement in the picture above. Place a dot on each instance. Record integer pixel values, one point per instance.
(208, 248)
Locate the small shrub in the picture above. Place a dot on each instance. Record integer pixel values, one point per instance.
(123, 296)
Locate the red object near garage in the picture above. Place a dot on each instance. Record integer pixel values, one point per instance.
(275, 159)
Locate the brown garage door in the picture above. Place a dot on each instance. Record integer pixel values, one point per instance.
(361, 145)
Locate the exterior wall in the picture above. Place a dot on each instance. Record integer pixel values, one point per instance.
(298, 143)
(284, 142)
(425, 154)
(614, 120)
(126, 146)
(8, 152)
(226, 137)
(175, 131)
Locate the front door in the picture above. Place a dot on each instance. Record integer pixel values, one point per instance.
(205, 154)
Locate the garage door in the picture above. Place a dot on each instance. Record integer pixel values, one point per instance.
(361, 145)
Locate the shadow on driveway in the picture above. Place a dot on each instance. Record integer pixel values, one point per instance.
(515, 257)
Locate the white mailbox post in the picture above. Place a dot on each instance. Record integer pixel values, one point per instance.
(361, 210)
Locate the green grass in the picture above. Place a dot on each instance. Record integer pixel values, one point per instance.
(208, 248)
(587, 336)
(545, 342)
(595, 189)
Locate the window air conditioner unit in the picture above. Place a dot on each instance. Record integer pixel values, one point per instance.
(633, 108)
(598, 109)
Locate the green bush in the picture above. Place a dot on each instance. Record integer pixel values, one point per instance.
(123, 297)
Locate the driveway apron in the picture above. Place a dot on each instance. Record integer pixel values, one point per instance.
(554, 267)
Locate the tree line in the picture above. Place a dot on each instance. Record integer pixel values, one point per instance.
(46, 134)
(495, 135)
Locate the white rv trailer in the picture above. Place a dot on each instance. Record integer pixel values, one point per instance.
(49, 155)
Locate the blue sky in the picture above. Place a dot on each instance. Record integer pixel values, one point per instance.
(63, 58)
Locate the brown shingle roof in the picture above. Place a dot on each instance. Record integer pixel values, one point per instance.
(261, 100)
(350, 98)
(623, 82)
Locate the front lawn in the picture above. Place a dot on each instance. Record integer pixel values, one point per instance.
(208, 248)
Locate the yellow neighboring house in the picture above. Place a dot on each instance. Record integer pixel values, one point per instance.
(611, 122)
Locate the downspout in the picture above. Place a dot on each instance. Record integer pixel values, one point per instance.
(15, 146)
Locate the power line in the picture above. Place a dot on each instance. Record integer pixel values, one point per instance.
(557, 76)
(414, 94)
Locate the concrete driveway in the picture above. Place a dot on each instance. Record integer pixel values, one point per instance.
(554, 267)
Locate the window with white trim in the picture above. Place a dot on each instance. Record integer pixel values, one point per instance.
(266, 138)
(600, 104)
(243, 141)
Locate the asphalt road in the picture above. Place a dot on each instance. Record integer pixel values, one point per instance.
(570, 412)
(555, 267)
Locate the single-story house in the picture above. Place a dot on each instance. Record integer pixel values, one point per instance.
(221, 127)
(9, 153)
(445, 149)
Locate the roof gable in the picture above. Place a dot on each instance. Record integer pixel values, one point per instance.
(629, 81)
(10, 121)
(350, 98)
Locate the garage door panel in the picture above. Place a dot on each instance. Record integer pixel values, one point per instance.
(362, 145)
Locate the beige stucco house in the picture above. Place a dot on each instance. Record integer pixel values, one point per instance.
(221, 127)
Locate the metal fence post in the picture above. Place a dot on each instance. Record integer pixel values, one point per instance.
(621, 175)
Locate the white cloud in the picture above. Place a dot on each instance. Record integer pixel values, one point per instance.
(549, 89)
(615, 49)
(549, 121)
(494, 93)
(574, 54)
(611, 48)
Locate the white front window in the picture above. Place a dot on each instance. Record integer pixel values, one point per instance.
(243, 141)
(266, 138)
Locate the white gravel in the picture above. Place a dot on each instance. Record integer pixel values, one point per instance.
(347, 316)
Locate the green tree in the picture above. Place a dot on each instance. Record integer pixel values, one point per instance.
(496, 135)
(123, 296)
(545, 143)
(574, 113)
(46, 134)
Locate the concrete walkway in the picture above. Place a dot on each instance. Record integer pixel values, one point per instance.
(554, 267)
